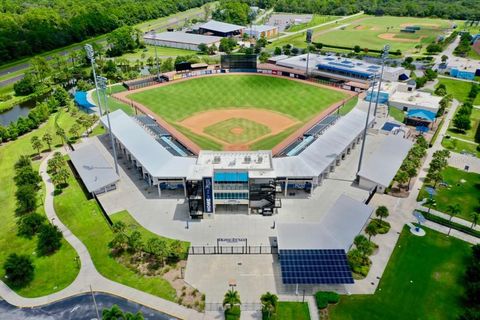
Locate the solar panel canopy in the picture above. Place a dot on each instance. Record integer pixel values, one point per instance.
(321, 266)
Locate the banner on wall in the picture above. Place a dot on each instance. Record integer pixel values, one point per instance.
(207, 195)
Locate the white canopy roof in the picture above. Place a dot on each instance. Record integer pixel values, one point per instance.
(325, 149)
(383, 164)
(154, 158)
(336, 230)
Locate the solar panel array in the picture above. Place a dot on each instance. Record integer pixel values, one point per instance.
(322, 125)
(319, 266)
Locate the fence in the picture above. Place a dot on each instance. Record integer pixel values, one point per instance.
(245, 306)
(205, 250)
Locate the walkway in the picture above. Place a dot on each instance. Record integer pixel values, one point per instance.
(88, 278)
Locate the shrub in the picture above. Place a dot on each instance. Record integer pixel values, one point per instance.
(323, 298)
(19, 270)
(233, 313)
(381, 226)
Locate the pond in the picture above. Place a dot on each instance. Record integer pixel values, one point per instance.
(79, 308)
(20, 110)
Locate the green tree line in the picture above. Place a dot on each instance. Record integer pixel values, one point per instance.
(34, 26)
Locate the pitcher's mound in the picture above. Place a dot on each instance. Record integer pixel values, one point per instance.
(236, 131)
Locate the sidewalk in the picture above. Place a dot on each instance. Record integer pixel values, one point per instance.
(446, 216)
(88, 277)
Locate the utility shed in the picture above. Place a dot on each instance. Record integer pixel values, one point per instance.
(382, 165)
(97, 174)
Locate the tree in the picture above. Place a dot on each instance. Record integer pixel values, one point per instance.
(277, 51)
(363, 245)
(61, 95)
(357, 49)
(167, 65)
(30, 224)
(26, 176)
(452, 210)
(36, 144)
(269, 304)
(134, 241)
(231, 298)
(122, 40)
(74, 130)
(444, 58)
(203, 48)
(462, 122)
(382, 212)
(429, 203)
(25, 86)
(115, 313)
(158, 248)
(371, 231)
(227, 45)
(475, 217)
(402, 178)
(235, 12)
(26, 196)
(49, 239)
(19, 270)
(62, 175)
(47, 138)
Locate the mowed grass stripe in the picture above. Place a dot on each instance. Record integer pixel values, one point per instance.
(224, 130)
(178, 101)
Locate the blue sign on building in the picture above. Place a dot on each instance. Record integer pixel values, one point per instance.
(207, 195)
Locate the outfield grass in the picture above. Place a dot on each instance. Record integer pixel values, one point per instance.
(84, 218)
(292, 310)
(224, 130)
(423, 280)
(114, 104)
(365, 33)
(316, 20)
(349, 106)
(52, 273)
(464, 194)
(178, 101)
(459, 89)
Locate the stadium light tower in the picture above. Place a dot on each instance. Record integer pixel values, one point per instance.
(372, 85)
(102, 83)
(309, 41)
(386, 48)
(156, 55)
(91, 57)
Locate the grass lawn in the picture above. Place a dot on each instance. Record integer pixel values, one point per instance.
(149, 51)
(114, 104)
(459, 89)
(366, 32)
(464, 194)
(459, 146)
(397, 114)
(237, 130)
(178, 101)
(292, 310)
(469, 134)
(54, 272)
(84, 218)
(349, 106)
(316, 20)
(422, 281)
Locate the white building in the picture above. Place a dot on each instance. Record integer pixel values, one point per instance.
(258, 31)
(181, 40)
(408, 100)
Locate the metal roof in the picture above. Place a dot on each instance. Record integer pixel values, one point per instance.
(336, 230)
(382, 165)
(93, 168)
(325, 149)
(155, 159)
(260, 28)
(182, 37)
(221, 26)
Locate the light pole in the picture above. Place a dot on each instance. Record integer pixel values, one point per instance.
(309, 41)
(156, 55)
(91, 57)
(366, 126)
(102, 82)
(386, 48)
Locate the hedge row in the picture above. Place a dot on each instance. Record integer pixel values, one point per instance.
(451, 224)
(395, 53)
(323, 298)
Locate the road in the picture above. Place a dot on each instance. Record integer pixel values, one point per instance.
(26, 65)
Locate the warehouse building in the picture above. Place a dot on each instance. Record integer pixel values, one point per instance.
(220, 29)
(259, 31)
(181, 40)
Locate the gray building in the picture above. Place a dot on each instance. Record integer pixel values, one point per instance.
(181, 40)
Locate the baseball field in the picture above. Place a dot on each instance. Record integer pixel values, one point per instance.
(238, 112)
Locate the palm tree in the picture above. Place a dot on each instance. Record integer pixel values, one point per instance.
(402, 178)
(269, 304)
(36, 144)
(113, 313)
(371, 230)
(382, 212)
(232, 298)
(47, 138)
(453, 210)
(429, 203)
(475, 217)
